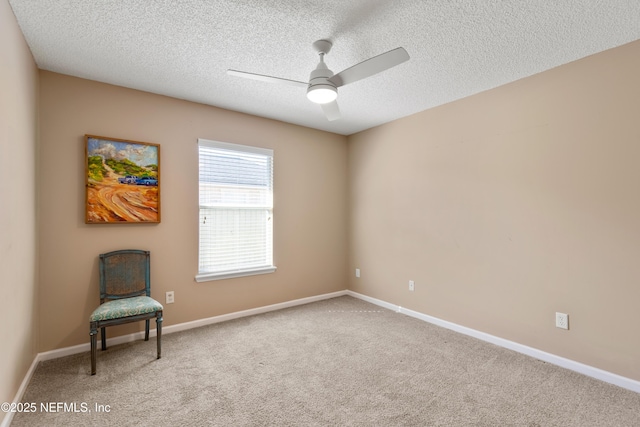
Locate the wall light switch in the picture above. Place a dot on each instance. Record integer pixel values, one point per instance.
(357, 272)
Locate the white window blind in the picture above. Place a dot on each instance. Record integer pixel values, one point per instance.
(236, 210)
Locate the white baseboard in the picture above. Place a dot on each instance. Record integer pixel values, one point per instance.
(251, 312)
(6, 421)
(80, 348)
(587, 370)
(581, 368)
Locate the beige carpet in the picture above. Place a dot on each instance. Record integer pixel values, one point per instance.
(339, 362)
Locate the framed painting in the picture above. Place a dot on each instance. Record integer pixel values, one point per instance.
(122, 181)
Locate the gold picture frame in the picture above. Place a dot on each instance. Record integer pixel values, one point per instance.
(122, 181)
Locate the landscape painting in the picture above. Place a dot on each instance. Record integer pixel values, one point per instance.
(122, 181)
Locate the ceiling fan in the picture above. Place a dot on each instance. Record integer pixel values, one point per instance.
(323, 85)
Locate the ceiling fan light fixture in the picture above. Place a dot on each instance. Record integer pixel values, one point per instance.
(323, 85)
(322, 93)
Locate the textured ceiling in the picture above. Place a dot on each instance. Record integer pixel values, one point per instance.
(182, 48)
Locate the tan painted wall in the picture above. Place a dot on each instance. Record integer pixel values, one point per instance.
(309, 206)
(504, 208)
(510, 205)
(18, 251)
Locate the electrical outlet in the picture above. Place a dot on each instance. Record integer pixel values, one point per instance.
(357, 272)
(169, 297)
(562, 321)
(412, 285)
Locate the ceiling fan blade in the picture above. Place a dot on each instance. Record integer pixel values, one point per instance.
(371, 66)
(267, 79)
(331, 110)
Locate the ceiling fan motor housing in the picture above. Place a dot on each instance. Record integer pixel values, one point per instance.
(321, 90)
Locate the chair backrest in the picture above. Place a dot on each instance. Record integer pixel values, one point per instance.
(124, 274)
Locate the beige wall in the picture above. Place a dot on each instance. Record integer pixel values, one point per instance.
(309, 206)
(510, 205)
(18, 253)
(503, 207)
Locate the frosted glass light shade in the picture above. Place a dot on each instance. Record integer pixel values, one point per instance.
(322, 94)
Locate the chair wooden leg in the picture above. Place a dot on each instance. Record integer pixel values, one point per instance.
(103, 338)
(93, 331)
(159, 331)
(146, 330)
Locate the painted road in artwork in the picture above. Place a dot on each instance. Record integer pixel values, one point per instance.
(122, 182)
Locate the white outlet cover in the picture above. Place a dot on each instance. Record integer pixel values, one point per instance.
(169, 297)
(562, 320)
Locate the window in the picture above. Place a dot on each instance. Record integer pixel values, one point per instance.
(236, 210)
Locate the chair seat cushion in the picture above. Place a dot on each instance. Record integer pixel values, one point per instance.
(125, 307)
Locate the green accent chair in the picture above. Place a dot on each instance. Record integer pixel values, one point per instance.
(125, 296)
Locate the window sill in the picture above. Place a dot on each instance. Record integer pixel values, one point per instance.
(206, 277)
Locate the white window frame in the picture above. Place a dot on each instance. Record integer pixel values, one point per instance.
(204, 276)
